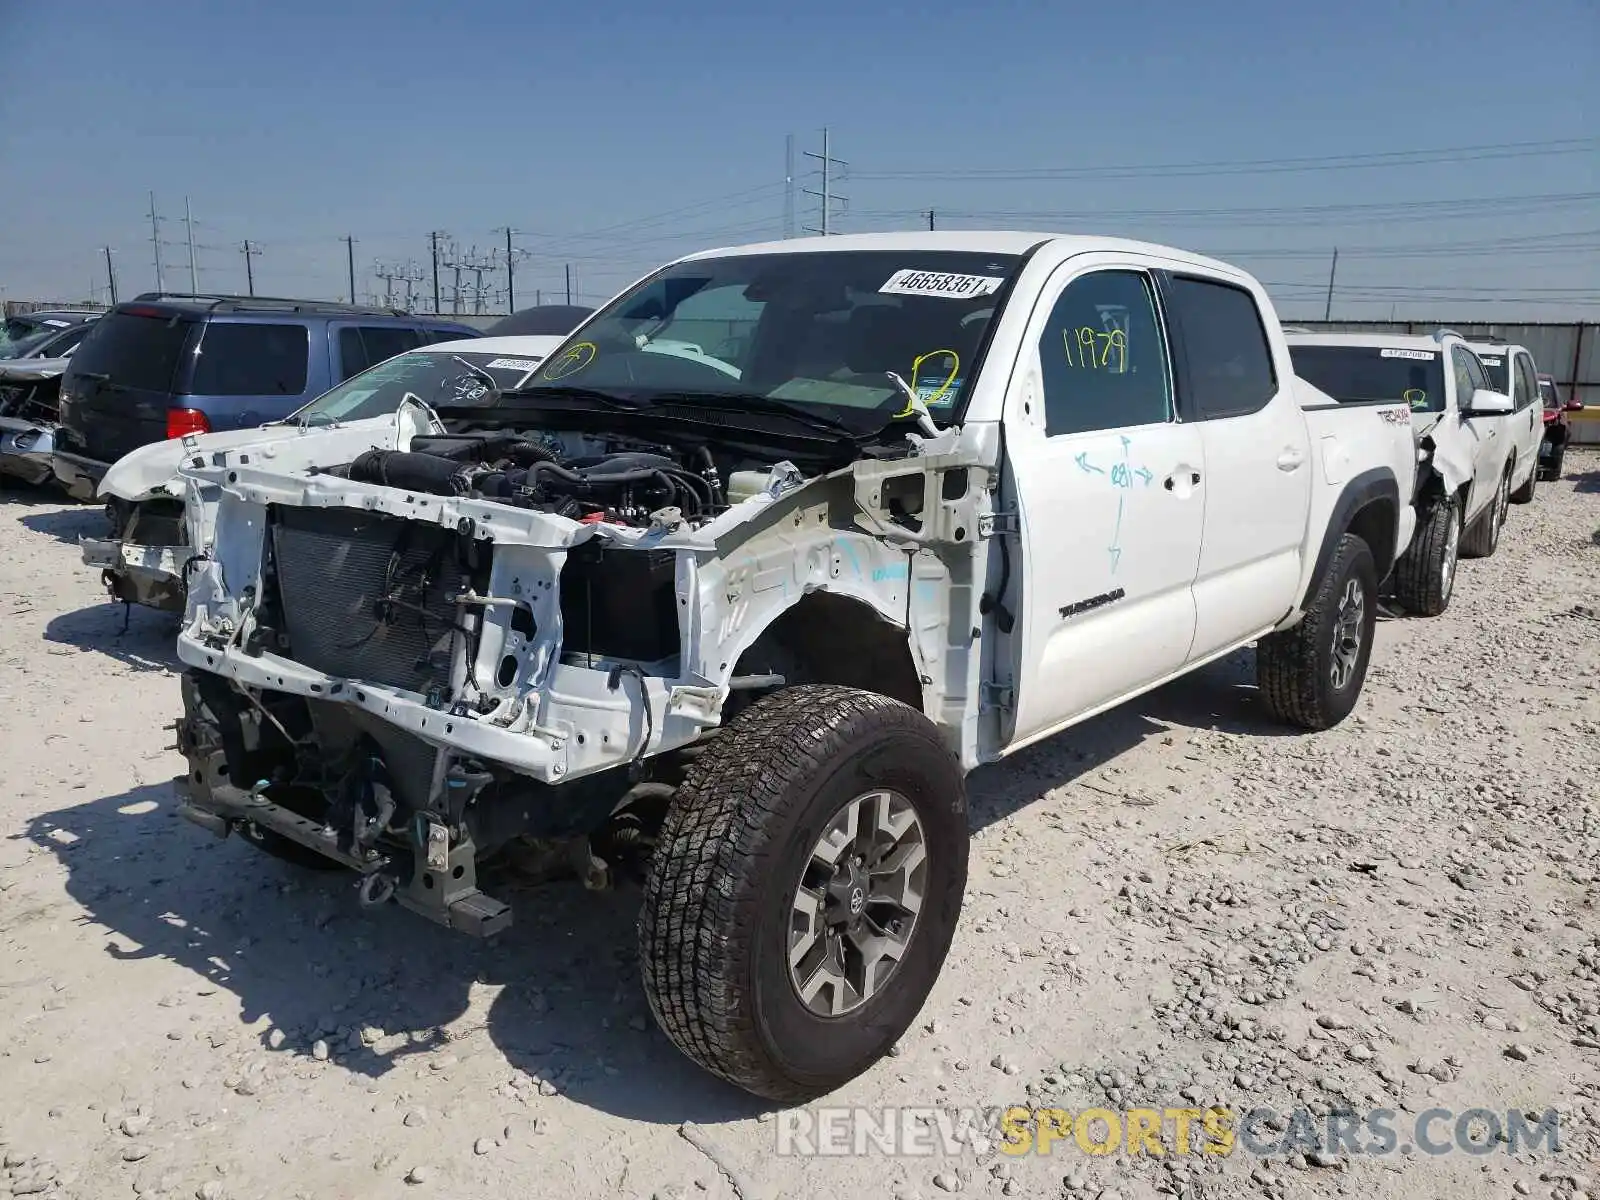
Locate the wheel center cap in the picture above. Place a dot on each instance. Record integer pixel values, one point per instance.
(858, 901)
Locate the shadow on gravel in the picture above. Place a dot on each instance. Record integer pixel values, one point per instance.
(68, 524)
(149, 643)
(1220, 696)
(558, 994)
(1589, 481)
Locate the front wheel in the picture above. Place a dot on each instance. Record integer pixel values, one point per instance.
(1482, 539)
(805, 889)
(1426, 573)
(1311, 675)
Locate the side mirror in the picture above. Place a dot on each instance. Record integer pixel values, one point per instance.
(1485, 403)
(1574, 406)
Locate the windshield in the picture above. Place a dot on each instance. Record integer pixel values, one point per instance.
(27, 343)
(1495, 365)
(437, 378)
(1367, 373)
(815, 330)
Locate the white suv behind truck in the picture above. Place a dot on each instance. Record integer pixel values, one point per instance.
(1512, 371)
(1468, 453)
(734, 591)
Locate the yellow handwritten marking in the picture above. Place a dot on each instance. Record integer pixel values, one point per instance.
(574, 360)
(1093, 356)
(1414, 396)
(916, 366)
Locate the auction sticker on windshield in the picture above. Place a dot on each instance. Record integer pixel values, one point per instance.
(940, 283)
(512, 364)
(1419, 355)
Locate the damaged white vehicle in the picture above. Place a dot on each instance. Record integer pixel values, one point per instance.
(1467, 449)
(772, 551)
(143, 559)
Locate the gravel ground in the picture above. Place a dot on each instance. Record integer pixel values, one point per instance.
(1174, 905)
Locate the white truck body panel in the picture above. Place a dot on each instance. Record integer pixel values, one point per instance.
(1196, 566)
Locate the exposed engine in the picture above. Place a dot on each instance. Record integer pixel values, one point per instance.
(629, 484)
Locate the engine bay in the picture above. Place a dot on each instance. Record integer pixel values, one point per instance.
(583, 477)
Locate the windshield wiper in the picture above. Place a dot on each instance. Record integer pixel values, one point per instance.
(572, 392)
(754, 402)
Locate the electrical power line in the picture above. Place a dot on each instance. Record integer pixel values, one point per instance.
(1259, 166)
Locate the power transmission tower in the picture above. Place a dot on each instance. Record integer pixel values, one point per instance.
(450, 257)
(391, 274)
(155, 241)
(188, 221)
(512, 255)
(111, 275)
(478, 263)
(249, 252)
(825, 195)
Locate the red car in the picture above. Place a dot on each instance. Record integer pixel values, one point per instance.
(1556, 427)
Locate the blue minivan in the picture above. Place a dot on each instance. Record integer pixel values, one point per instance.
(164, 365)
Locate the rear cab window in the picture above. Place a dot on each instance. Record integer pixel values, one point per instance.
(136, 348)
(1374, 374)
(1227, 359)
(247, 358)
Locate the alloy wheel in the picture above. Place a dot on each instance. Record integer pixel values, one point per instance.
(856, 907)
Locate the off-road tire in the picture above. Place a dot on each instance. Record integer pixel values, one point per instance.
(713, 931)
(1482, 537)
(1425, 576)
(1294, 667)
(1524, 494)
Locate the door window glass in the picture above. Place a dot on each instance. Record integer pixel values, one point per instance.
(1103, 357)
(1225, 347)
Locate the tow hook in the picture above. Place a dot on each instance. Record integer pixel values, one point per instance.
(375, 889)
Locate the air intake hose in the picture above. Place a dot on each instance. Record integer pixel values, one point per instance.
(416, 472)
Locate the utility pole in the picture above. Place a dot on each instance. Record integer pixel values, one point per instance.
(188, 220)
(788, 186)
(512, 254)
(155, 240)
(569, 283)
(826, 195)
(433, 241)
(350, 261)
(111, 276)
(930, 218)
(249, 252)
(1327, 312)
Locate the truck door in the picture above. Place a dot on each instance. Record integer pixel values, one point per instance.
(1108, 487)
(1485, 437)
(1258, 460)
(1529, 416)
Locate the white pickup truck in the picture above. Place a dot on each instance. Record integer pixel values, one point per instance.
(773, 550)
(1470, 445)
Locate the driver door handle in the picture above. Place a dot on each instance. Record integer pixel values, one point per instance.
(1290, 459)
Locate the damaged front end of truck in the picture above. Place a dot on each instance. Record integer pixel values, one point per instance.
(499, 645)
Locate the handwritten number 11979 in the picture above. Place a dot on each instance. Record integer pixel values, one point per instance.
(1088, 348)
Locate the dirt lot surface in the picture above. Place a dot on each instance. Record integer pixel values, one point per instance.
(1175, 905)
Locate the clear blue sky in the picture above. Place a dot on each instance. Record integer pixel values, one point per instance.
(615, 136)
